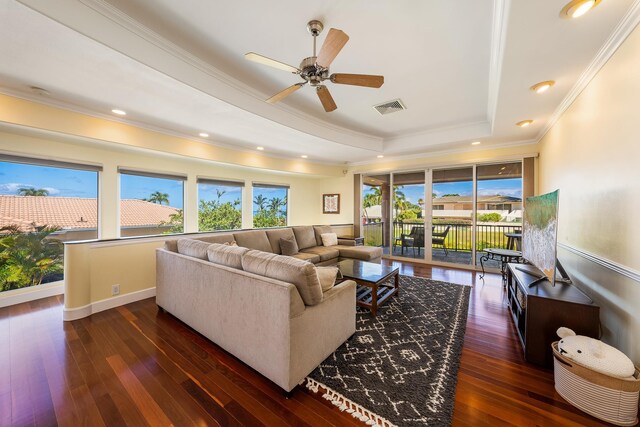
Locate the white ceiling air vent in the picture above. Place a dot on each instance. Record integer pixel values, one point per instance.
(390, 107)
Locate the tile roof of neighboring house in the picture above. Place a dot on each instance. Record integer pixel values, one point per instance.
(482, 199)
(76, 212)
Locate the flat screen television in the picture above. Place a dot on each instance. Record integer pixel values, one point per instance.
(540, 234)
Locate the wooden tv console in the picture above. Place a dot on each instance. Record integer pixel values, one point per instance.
(539, 311)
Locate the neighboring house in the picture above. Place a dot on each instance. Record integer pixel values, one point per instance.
(485, 203)
(78, 217)
(461, 207)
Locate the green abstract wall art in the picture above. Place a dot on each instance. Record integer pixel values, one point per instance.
(540, 228)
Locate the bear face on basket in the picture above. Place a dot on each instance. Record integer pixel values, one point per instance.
(594, 354)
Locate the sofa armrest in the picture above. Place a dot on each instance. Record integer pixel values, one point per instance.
(346, 242)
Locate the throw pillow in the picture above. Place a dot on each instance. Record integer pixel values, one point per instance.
(329, 239)
(288, 246)
(327, 277)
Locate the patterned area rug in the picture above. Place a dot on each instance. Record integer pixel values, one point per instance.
(400, 368)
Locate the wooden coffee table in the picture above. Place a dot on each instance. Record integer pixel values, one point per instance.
(373, 291)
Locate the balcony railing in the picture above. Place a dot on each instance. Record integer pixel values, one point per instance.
(458, 238)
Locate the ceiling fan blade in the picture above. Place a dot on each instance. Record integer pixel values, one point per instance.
(261, 59)
(283, 94)
(333, 44)
(327, 100)
(358, 80)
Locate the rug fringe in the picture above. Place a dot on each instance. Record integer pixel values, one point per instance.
(346, 405)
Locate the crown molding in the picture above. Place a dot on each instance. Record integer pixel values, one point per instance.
(110, 27)
(626, 25)
(426, 154)
(498, 41)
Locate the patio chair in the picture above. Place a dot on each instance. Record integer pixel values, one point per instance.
(440, 239)
(414, 240)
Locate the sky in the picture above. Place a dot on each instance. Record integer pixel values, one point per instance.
(59, 182)
(506, 187)
(141, 187)
(208, 192)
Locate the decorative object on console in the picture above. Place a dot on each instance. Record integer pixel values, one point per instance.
(540, 233)
(414, 344)
(596, 378)
(331, 203)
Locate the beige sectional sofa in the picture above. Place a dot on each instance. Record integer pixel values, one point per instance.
(268, 310)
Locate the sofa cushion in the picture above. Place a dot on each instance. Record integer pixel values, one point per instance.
(329, 239)
(171, 245)
(325, 253)
(319, 230)
(228, 255)
(327, 277)
(255, 239)
(274, 237)
(307, 257)
(300, 273)
(305, 236)
(289, 246)
(365, 253)
(218, 238)
(194, 248)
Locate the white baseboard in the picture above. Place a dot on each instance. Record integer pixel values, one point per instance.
(106, 304)
(18, 296)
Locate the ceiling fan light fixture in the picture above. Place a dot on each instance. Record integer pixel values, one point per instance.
(524, 123)
(542, 86)
(577, 8)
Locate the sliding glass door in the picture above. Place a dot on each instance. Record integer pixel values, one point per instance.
(408, 227)
(376, 193)
(444, 215)
(452, 215)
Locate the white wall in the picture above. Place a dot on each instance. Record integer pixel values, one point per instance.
(592, 155)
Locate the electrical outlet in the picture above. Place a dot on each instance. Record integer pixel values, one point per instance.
(115, 289)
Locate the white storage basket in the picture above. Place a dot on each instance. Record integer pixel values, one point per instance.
(610, 399)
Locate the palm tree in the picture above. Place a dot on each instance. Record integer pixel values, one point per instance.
(30, 191)
(220, 193)
(159, 198)
(275, 204)
(261, 201)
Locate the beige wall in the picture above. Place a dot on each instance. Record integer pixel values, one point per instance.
(91, 269)
(592, 155)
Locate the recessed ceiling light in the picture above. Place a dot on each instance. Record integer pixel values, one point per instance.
(204, 134)
(524, 123)
(542, 86)
(260, 148)
(380, 156)
(476, 143)
(119, 112)
(304, 156)
(577, 8)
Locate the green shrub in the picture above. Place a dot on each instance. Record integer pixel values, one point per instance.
(489, 217)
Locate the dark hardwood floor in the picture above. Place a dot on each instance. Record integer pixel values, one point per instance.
(136, 366)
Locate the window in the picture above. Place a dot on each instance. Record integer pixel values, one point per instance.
(219, 204)
(42, 204)
(270, 205)
(438, 207)
(150, 203)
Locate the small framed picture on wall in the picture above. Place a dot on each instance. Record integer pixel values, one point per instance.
(330, 203)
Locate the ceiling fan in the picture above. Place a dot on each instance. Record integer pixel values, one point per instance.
(315, 69)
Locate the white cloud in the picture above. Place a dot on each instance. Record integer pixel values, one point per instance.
(11, 188)
(513, 192)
